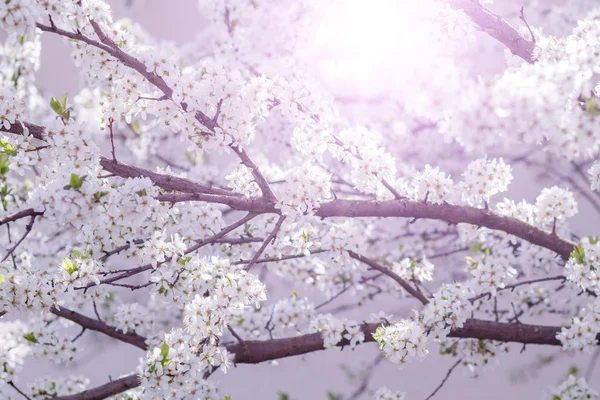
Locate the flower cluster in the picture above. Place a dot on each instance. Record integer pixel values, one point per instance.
(434, 186)
(402, 341)
(174, 369)
(583, 265)
(13, 350)
(574, 389)
(491, 274)
(242, 181)
(484, 178)
(555, 204)
(43, 388)
(333, 330)
(449, 308)
(305, 188)
(133, 318)
(582, 333)
(594, 173)
(383, 393)
(414, 270)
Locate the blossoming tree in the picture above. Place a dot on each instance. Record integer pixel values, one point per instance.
(279, 146)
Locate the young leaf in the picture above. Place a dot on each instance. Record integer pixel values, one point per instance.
(56, 106)
(30, 337)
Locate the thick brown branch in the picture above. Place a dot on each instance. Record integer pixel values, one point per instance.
(496, 27)
(257, 351)
(30, 212)
(108, 389)
(451, 214)
(99, 326)
(166, 182)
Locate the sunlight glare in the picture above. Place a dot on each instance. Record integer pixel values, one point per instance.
(359, 45)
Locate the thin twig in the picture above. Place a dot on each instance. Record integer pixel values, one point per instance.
(268, 240)
(445, 379)
(386, 271)
(522, 16)
(18, 390)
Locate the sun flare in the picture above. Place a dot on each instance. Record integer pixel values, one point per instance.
(359, 45)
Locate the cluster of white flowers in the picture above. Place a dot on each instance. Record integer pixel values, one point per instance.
(305, 188)
(383, 393)
(475, 353)
(484, 178)
(174, 370)
(371, 164)
(555, 204)
(13, 350)
(288, 316)
(582, 268)
(133, 318)
(78, 270)
(522, 211)
(574, 389)
(51, 341)
(419, 270)
(582, 333)
(28, 288)
(160, 248)
(43, 388)
(491, 274)
(434, 186)
(242, 181)
(449, 308)
(401, 341)
(333, 330)
(11, 108)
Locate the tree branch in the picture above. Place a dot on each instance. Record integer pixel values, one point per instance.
(496, 27)
(386, 271)
(257, 351)
(166, 182)
(99, 326)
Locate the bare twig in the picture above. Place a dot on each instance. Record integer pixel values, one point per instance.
(386, 271)
(445, 379)
(268, 240)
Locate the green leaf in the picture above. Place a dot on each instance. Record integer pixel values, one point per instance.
(63, 101)
(574, 370)
(578, 254)
(30, 337)
(7, 148)
(76, 181)
(593, 239)
(56, 106)
(77, 254)
(69, 266)
(556, 397)
(99, 195)
(164, 352)
(283, 396)
(3, 164)
(183, 260)
(591, 107)
(2, 278)
(141, 192)
(476, 247)
(228, 397)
